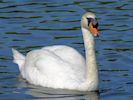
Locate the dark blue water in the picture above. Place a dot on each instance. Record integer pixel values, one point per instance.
(32, 24)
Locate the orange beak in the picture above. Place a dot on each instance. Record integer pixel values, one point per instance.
(93, 30)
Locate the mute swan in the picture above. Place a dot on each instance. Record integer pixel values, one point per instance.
(60, 66)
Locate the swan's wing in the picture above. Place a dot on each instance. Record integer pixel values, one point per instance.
(56, 69)
(68, 54)
(49, 62)
(45, 67)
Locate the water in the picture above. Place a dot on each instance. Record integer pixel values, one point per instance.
(31, 24)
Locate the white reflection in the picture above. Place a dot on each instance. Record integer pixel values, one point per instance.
(41, 93)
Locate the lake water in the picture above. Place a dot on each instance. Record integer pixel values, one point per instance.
(32, 24)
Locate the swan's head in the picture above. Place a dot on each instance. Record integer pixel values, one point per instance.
(89, 22)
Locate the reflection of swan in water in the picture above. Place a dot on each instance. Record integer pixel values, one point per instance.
(92, 96)
(62, 67)
(53, 94)
(41, 93)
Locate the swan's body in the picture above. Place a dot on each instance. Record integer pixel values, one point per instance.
(61, 66)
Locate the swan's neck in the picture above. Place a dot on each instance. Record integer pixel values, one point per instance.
(91, 67)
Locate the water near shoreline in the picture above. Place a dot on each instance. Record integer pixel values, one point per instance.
(29, 24)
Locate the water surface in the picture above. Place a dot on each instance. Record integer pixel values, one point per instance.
(29, 24)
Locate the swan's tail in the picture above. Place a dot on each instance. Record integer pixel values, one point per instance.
(18, 58)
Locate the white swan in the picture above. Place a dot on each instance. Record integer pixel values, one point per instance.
(61, 66)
